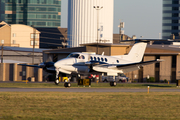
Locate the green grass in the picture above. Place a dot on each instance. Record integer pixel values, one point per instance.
(89, 106)
(94, 85)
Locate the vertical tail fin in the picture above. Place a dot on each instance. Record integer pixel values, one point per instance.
(137, 52)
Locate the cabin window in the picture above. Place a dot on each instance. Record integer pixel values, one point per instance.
(102, 59)
(106, 59)
(117, 61)
(95, 58)
(91, 58)
(81, 57)
(98, 59)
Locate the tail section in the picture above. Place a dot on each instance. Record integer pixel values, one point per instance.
(136, 53)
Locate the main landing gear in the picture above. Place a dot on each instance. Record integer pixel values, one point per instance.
(113, 83)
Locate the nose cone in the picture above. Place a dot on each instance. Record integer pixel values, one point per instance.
(56, 64)
(64, 62)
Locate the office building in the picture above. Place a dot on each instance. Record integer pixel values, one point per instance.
(171, 19)
(40, 13)
(18, 35)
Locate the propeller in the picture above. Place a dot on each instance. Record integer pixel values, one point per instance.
(49, 63)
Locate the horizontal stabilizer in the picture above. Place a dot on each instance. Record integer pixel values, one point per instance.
(140, 64)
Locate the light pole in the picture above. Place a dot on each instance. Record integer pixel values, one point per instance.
(121, 25)
(97, 8)
(159, 35)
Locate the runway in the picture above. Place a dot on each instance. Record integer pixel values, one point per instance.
(84, 90)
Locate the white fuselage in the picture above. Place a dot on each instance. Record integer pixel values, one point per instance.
(77, 63)
(112, 65)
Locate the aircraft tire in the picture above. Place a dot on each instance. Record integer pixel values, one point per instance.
(67, 84)
(56, 81)
(113, 83)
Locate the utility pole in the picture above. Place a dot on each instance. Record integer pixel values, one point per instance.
(34, 32)
(97, 8)
(2, 48)
(2, 53)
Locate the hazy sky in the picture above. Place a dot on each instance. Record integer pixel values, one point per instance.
(141, 17)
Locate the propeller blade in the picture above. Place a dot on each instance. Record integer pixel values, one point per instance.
(49, 59)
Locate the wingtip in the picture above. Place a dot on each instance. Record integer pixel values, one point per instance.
(160, 60)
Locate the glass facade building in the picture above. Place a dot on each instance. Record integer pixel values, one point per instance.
(171, 19)
(40, 13)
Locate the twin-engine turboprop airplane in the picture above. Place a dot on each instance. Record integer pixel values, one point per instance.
(86, 63)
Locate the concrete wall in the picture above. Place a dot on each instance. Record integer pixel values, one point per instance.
(118, 50)
(106, 50)
(149, 70)
(165, 68)
(133, 76)
(2, 73)
(178, 67)
(14, 72)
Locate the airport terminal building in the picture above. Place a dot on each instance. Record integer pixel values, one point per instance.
(168, 70)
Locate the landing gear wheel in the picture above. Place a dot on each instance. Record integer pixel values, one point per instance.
(113, 83)
(56, 81)
(67, 84)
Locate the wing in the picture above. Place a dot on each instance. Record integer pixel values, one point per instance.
(47, 66)
(30, 65)
(114, 69)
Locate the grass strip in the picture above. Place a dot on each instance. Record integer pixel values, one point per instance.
(89, 106)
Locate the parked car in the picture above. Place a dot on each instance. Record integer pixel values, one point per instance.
(120, 78)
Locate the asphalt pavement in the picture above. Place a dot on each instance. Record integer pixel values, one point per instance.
(85, 90)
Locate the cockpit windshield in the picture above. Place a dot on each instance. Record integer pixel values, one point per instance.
(73, 55)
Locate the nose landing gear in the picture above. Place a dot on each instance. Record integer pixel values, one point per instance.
(56, 81)
(57, 77)
(66, 80)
